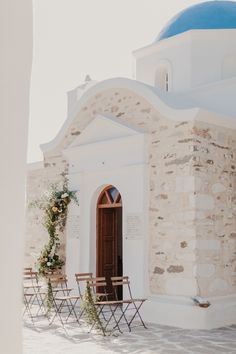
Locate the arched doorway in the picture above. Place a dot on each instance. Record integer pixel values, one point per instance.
(109, 235)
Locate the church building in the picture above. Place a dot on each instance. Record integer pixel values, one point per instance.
(153, 161)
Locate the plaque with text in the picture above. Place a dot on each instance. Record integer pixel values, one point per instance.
(134, 226)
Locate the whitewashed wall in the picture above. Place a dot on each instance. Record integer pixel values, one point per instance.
(15, 68)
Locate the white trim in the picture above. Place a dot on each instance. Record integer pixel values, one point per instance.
(220, 83)
(161, 45)
(176, 40)
(182, 312)
(213, 118)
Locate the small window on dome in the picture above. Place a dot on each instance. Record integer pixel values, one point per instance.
(163, 75)
(167, 82)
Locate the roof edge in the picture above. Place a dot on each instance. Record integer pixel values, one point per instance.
(137, 87)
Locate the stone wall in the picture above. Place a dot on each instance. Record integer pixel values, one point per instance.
(172, 231)
(214, 169)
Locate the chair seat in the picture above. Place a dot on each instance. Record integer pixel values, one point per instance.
(35, 294)
(28, 286)
(115, 302)
(139, 300)
(29, 294)
(61, 289)
(72, 297)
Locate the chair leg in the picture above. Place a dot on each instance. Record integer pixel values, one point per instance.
(56, 312)
(71, 308)
(65, 303)
(137, 313)
(28, 304)
(113, 315)
(123, 311)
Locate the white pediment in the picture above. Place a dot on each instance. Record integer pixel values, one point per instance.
(106, 143)
(102, 129)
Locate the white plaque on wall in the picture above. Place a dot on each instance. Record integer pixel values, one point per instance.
(134, 226)
(73, 226)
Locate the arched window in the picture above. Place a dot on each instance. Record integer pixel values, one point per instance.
(109, 198)
(229, 67)
(163, 76)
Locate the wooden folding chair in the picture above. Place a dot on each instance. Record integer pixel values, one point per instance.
(130, 303)
(64, 303)
(109, 312)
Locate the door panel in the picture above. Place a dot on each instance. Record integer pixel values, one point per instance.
(109, 243)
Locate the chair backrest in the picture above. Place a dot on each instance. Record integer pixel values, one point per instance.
(121, 281)
(98, 285)
(28, 269)
(58, 280)
(30, 277)
(81, 280)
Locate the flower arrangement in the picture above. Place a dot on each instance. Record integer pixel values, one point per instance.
(54, 205)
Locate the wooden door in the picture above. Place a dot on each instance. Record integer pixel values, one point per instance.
(109, 236)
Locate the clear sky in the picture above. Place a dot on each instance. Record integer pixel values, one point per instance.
(73, 38)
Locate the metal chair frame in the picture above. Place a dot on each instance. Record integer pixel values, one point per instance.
(62, 299)
(107, 310)
(32, 294)
(137, 303)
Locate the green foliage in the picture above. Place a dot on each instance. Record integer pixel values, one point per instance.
(89, 307)
(49, 298)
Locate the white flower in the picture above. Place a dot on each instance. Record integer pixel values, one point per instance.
(64, 195)
(52, 251)
(48, 264)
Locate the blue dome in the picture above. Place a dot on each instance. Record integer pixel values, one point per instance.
(207, 15)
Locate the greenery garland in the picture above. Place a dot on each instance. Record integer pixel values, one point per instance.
(54, 205)
(89, 307)
(49, 298)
